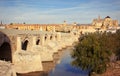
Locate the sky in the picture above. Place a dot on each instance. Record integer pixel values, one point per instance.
(57, 11)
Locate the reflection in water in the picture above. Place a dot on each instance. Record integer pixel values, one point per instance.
(59, 67)
(64, 68)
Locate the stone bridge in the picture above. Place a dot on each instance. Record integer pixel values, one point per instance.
(26, 49)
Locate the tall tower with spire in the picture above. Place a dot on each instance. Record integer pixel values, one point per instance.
(1, 23)
(64, 24)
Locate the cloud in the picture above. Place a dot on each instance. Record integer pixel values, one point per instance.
(80, 12)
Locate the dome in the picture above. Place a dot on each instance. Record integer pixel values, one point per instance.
(107, 17)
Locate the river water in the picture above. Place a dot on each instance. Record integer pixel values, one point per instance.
(62, 68)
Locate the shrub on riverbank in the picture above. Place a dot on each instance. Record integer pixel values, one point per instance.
(94, 51)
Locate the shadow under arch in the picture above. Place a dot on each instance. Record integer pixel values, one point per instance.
(5, 47)
(24, 45)
(5, 52)
(51, 37)
(38, 42)
(46, 37)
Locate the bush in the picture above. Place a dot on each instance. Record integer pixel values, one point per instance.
(93, 52)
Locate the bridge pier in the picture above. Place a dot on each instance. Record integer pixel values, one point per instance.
(41, 28)
(58, 36)
(48, 38)
(19, 43)
(42, 37)
(33, 43)
(25, 61)
(53, 37)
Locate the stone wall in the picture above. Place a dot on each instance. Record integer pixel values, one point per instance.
(27, 62)
(30, 59)
(6, 69)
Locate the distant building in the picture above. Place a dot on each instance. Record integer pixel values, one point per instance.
(2, 26)
(104, 23)
(97, 25)
(41, 27)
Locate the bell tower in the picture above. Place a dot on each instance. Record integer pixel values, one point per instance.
(1, 23)
(64, 24)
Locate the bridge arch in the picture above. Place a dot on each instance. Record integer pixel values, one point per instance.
(46, 37)
(5, 52)
(51, 37)
(5, 48)
(38, 42)
(25, 45)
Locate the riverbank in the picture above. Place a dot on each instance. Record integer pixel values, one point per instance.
(113, 70)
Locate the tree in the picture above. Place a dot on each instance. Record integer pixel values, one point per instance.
(118, 44)
(91, 53)
(11, 23)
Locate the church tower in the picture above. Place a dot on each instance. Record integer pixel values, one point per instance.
(64, 24)
(1, 23)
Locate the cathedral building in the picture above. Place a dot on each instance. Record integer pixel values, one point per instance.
(104, 23)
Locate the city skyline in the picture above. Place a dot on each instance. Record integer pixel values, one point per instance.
(56, 11)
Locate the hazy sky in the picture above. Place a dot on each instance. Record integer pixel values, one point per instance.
(56, 11)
